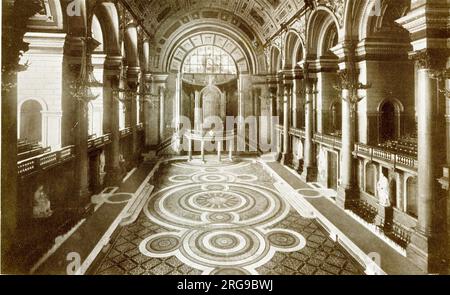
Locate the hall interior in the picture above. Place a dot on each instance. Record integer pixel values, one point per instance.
(287, 137)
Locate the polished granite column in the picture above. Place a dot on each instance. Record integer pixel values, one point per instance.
(112, 73)
(132, 81)
(309, 170)
(427, 22)
(347, 189)
(427, 240)
(286, 156)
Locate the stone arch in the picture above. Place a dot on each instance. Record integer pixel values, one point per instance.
(371, 24)
(389, 117)
(131, 47)
(319, 22)
(235, 53)
(294, 49)
(275, 60)
(30, 119)
(164, 55)
(108, 17)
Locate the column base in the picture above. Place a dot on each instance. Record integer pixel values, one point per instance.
(385, 217)
(298, 165)
(286, 159)
(346, 197)
(428, 252)
(309, 174)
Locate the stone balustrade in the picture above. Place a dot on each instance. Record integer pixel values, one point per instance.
(32, 165)
(378, 154)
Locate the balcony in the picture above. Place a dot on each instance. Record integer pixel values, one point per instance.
(332, 141)
(50, 159)
(390, 158)
(45, 161)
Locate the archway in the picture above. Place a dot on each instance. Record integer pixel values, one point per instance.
(388, 123)
(336, 118)
(31, 121)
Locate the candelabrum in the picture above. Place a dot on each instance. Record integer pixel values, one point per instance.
(349, 81)
(441, 77)
(81, 87)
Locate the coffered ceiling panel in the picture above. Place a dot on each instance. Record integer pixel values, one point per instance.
(264, 17)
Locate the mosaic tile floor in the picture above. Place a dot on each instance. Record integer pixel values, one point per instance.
(222, 219)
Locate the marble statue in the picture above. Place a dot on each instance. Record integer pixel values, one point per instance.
(322, 164)
(102, 165)
(41, 204)
(383, 191)
(176, 142)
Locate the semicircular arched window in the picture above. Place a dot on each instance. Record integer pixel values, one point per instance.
(209, 60)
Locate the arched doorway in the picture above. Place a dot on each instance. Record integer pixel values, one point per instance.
(388, 122)
(31, 121)
(213, 104)
(209, 85)
(336, 118)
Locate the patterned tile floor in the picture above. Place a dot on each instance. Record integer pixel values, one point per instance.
(221, 219)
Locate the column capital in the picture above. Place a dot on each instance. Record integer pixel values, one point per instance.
(432, 59)
(344, 49)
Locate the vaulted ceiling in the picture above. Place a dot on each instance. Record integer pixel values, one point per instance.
(262, 17)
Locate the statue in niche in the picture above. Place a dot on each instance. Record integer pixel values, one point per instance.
(102, 164)
(383, 191)
(322, 164)
(298, 149)
(41, 204)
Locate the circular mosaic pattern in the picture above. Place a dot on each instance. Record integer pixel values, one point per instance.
(224, 248)
(227, 271)
(213, 177)
(284, 239)
(118, 198)
(247, 178)
(161, 245)
(179, 178)
(224, 242)
(309, 193)
(220, 218)
(217, 201)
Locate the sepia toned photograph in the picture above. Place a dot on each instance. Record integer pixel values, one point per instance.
(238, 137)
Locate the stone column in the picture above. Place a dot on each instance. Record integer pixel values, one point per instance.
(296, 99)
(132, 80)
(427, 23)
(151, 114)
(162, 111)
(111, 119)
(158, 92)
(309, 169)
(75, 122)
(425, 244)
(286, 156)
(197, 112)
(347, 188)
